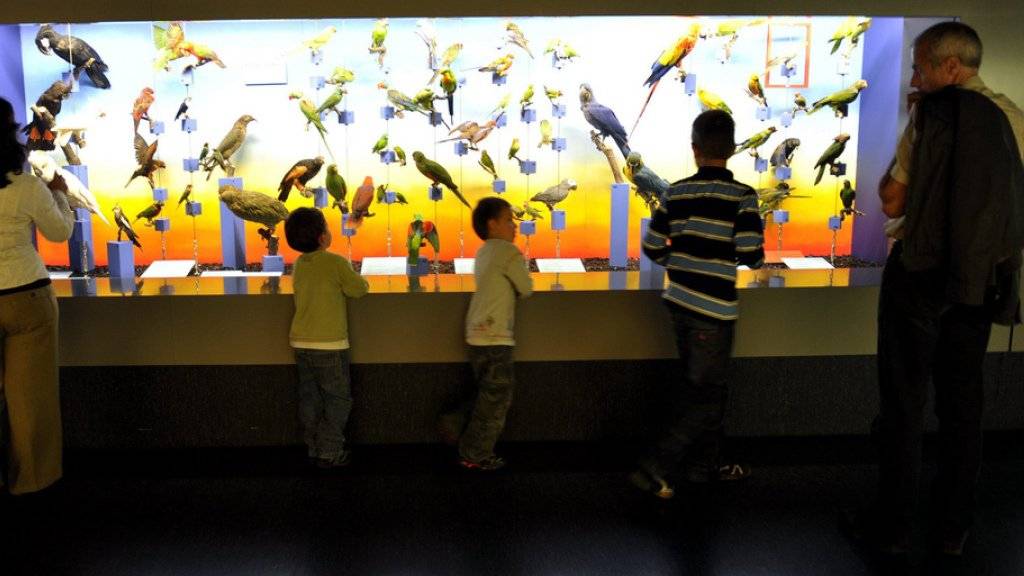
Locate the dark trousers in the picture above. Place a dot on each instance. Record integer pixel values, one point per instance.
(922, 339)
(494, 373)
(698, 398)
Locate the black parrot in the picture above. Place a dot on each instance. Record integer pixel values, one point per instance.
(44, 114)
(74, 51)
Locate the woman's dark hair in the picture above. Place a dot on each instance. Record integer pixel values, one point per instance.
(12, 153)
(486, 210)
(303, 229)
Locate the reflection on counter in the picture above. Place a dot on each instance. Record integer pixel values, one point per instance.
(452, 283)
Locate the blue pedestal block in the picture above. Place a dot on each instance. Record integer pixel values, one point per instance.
(320, 197)
(558, 220)
(835, 223)
(420, 268)
(461, 148)
(760, 165)
(558, 144)
(387, 112)
(787, 71)
(81, 172)
(786, 120)
(190, 164)
(617, 280)
(390, 197)
(81, 235)
(345, 230)
(436, 119)
(777, 282)
(501, 121)
(528, 167)
(690, 84)
(122, 284)
(763, 113)
(317, 82)
(619, 226)
(236, 285)
(160, 195)
(435, 193)
(162, 224)
(156, 128)
(316, 57)
(188, 76)
(121, 258)
(498, 186)
(498, 79)
(558, 110)
(780, 216)
(273, 263)
(528, 227)
(528, 115)
(193, 208)
(388, 157)
(652, 275)
(236, 182)
(189, 125)
(83, 286)
(232, 238)
(838, 169)
(783, 173)
(347, 117)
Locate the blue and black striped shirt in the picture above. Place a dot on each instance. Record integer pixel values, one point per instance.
(706, 225)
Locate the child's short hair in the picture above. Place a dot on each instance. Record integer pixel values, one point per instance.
(714, 135)
(487, 209)
(303, 229)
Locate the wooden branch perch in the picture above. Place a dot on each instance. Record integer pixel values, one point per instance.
(613, 162)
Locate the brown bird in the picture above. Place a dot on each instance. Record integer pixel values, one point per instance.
(150, 212)
(298, 175)
(185, 195)
(148, 165)
(44, 114)
(255, 207)
(233, 140)
(140, 109)
(361, 204)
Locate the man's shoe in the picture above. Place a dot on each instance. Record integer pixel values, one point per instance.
(651, 483)
(489, 464)
(344, 459)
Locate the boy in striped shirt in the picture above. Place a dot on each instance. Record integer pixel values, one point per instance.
(706, 225)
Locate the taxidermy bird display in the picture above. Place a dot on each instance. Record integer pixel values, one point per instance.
(76, 52)
(256, 207)
(555, 194)
(298, 175)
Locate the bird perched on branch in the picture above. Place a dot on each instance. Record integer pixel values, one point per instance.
(124, 226)
(233, 140)
(76, 52)
(39, 131)
(298, 175)
(648, 186)
(603, 119)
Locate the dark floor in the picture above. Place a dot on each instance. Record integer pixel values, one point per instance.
(404, 510)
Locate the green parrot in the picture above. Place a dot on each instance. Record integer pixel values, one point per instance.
(487, 164)
(149, 212)
(770, 199)
(382, 143)
(449, 84)
(755, 141)
(553, 94)
(513, 150)
(437, 174)
(402, 102)
(400, 198)
(331, 102)
(420, 232)
(320, 40)
(449, 56)
(847, 196)
(309, 111)
(425, 99)
(336, 187)
(341, 76)
(377, 37)
(401, 155)
(527, 98)
(852, 29)
(204, 152)
(545, 133)
(501, 107)
(831, 154)
(838, 101)
(710, 101)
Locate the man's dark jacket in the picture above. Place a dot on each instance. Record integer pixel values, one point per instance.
(965, 202)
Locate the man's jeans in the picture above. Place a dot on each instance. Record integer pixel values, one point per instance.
(325, 400)
(922, 339)
(494, 372)
(699, 399)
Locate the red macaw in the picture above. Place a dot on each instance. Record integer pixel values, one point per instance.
(671, 57)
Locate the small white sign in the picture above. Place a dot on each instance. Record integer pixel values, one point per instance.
(560, 265)
(383, 266)
(742, 267)
(65, 275)
(169, 269)
(237, 274)
(465, 265)
(807, 263)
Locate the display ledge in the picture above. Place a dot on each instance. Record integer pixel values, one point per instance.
(255, 284)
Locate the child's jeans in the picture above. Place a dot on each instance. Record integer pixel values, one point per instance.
(493, 371)
(325, 400)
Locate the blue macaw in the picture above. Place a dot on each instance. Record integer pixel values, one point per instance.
(602, 118)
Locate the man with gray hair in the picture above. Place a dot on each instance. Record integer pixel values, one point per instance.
(956, 193)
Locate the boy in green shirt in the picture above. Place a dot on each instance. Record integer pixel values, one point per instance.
(319, 336)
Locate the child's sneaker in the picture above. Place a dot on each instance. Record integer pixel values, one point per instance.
(343, 459)
(489, 464)
(651, 482)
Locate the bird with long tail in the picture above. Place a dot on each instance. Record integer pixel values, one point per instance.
(671, 57)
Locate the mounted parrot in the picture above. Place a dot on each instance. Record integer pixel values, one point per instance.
(513, 150)
(755, 141)
(449, 84)
(501, 107)
(499, 66)
(671, 57)
(603, 119)
(76, 52)
(298, 176)
(526, 100)
(420, 232)
(308, 110)
(185, 196)
(149, 213)
(831, 155)
(341, 76)
(437, 174)
(330, 104)
(799, 103)
(203, 53)
(554, 95)
(316, 43)
(361, 204)
(482, 133)
(851, 30)
(648, 186)
(336, 187)
(516, 36)
(545, 133)
(79, 196)
(233, 140)
(381, 144)
(382, 191)
(561, 52)
(425, 100)
(258, 208)
(847, 196)
(520, 213)
(39, 131)
(447, 59)
(771, 199)
(555, 194)
(783, 153)
(711, 101)
(839, 101)
(167, 41)
(400, 154)
(377, 37)
(487, 164)
(756, 91)
(402, 102)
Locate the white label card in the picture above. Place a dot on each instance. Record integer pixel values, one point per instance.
(560, 265)
(465, 265)
(169, 269)
(236, 274)
(807, 263)
(383, 266)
